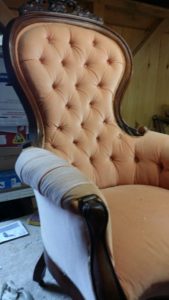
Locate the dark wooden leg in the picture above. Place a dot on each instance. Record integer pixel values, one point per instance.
(105, 280)
(39, 271)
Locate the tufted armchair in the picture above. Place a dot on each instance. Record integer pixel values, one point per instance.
(102, 193)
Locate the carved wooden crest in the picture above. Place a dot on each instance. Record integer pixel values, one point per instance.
(59, 6)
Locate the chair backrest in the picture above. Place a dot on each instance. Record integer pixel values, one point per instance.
(72, 70)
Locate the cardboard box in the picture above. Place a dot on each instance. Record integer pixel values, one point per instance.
(9, 180)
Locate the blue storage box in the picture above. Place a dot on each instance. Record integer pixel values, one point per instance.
(9, 180)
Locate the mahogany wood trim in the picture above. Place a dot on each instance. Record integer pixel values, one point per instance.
(105, 281)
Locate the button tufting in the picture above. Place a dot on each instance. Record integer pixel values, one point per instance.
(54, 146)
(94, 43)
(49, 38)
(136, 159)
(63, 62)
(60, 127)
(68, 105)
(161, 167)
(75, 142)
(98, 138)
(91, 159)
(91, 103)
(54, 85)
(71, 43)
(42, 59)
(105, 121)
(109, 61)
(112, 158)
(86, 64)
(100, 84)
(82, 124)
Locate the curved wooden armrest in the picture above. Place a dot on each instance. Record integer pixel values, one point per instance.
(104, 277)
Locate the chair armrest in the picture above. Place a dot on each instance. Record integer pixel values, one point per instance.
(65, 185)
(152, 159)
(56, 179)
(53, 176)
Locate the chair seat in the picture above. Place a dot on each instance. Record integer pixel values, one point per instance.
(139, 216)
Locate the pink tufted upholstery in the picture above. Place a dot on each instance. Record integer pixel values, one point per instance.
(71, 74)
(80, 70)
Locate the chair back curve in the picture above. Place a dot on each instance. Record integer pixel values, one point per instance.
(71, 72)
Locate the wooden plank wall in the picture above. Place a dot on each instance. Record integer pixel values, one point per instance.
(146, 30)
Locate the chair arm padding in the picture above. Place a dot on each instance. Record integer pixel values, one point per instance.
(52, 176)
(57, 180)
(152, 165)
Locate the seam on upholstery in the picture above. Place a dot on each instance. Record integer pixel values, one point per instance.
(82, 91)
(118, 62)
(96, 109)
(87, 129)
(25, 164)
(28, 59)
(40, 181)
(129, 146)
(83, 150)
(61, 150)
(93, 72)
(59, 91)
(77, 116)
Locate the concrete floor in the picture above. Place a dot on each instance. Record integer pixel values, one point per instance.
(17, 261)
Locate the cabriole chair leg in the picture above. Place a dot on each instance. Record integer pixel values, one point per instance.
(39, 271)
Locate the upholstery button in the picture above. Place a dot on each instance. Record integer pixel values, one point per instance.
(91, 159)
(136, 159)
(54, 146)
(68, 106)
(60, 127)
(91, 103)
(94, 43)
(86, 64)
(63, 62)
(109, 61)
(105, 121)
(71, 43)
(42, 59)
(161, 167)
(54, 85)
(49, 38)
(100, 84)
(98, 138)
(82, 124)
(75, 142)
(112, 158)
